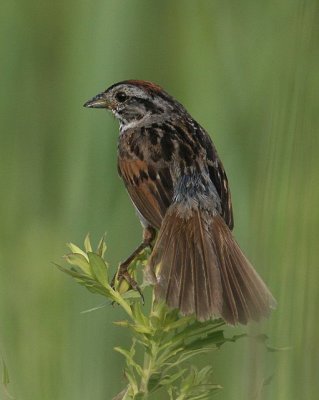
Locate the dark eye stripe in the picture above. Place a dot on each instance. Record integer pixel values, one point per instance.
(149, 105)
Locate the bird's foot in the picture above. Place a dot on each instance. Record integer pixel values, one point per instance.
(123, 274)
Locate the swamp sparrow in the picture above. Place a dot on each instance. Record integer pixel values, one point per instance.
(179, 188)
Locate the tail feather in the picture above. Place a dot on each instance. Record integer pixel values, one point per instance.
(253, 298)
(199, 268)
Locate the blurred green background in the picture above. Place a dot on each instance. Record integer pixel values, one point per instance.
(248, 72)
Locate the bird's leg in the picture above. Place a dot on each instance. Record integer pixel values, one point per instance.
(149, 234)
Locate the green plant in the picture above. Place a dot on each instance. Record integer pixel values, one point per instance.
(5, 380)
(168, 341)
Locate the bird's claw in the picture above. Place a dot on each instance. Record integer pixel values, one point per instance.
(120, 275)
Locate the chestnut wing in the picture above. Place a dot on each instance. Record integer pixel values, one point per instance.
(150, 188)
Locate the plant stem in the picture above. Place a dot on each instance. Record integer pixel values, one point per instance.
(126, 307)
(147, 374)
(150, 366)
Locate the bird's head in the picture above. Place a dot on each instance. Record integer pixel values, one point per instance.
(131, 101)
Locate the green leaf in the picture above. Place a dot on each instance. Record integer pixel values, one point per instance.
(122, 323)
(197, 385)
(5, 374)
(168, 354)
(80, 261)
(179, 323)
(71, 272)
(141, 328)
(5, 380)
(215, 338)
(203, 396)
(122, 395)
(170, 393)
(87, 243)
(139, 315)
(169, 379)
(188, 382)
(139, 396)
(101, 248)
(127, 354)
(129, 359)
(129, 374)
(131, 294)
(94, 308)
(75, 249)
(204, 373)
(154, 381)
(98, 269)
(185, 355)
(199, 329)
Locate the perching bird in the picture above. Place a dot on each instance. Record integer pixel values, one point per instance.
(179, 188)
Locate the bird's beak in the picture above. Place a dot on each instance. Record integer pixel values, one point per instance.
(99, 101)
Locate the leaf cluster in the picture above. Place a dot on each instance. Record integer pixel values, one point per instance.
(167, 340)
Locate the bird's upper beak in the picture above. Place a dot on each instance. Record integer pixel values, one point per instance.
(98, 101)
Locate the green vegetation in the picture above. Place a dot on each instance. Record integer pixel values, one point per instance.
(166, 340)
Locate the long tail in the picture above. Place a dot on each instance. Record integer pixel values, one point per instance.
(198, 267)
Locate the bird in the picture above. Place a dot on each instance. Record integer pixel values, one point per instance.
(179, 188)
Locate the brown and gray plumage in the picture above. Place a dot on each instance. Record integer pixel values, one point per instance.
(179, 188)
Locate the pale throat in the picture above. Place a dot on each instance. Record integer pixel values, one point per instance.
(135, 123)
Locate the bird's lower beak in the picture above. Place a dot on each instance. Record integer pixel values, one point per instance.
(99, 101)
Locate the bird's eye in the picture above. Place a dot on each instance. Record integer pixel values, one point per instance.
(121, 96)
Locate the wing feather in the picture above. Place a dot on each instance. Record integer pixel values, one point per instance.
(150, 194)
